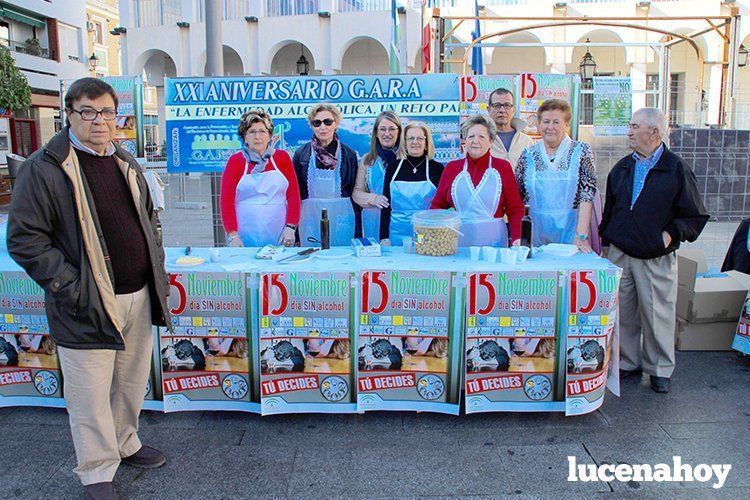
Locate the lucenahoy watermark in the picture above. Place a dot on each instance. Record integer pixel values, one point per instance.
(677, 471)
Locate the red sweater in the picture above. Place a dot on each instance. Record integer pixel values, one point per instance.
(234, 171)
(510, 201)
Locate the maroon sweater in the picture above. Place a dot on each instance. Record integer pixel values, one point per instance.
(118, 219)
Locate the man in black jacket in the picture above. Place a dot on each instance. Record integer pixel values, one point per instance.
(652, 205)
(82, 225)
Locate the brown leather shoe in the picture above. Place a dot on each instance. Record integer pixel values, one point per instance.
(146, 458)
(100, 491)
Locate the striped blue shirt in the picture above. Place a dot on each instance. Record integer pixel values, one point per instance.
(642, 168)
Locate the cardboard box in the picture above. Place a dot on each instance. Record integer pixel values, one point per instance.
(689, 263)
(716, 336)
(711, 298)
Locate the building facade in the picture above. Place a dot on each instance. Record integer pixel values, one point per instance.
(102, 16)
(46, 39)
(267, 37)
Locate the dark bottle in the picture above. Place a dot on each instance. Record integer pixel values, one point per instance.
(526, 229)
(325, 231)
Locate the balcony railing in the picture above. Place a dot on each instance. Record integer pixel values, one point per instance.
(26, 48)
(364, 5)
(275, 8)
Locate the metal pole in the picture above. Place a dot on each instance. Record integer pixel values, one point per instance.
(660, 95)
(439, 45)
(732, 76)
(215, 67)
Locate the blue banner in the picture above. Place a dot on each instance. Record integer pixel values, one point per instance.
(202, 114)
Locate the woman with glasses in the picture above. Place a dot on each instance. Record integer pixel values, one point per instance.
(410, 183)
(260, 202)
(368, 190)
(557, 178)
(481, 188)
(327, 170)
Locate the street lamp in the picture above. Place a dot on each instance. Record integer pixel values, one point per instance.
(587, 68)
(93, 62)
(303, 66)
(742, 58)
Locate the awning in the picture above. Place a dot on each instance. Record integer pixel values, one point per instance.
(21, 17)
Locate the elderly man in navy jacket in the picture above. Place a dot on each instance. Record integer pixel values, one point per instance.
(652, 205)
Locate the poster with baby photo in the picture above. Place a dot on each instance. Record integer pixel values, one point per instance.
(29, 367)
(590, 331)
(742, 335)
(153, 398)
(511, 347)
(204, 358)
(305, 361)
(407, 349)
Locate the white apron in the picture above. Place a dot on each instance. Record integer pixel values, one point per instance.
(477, 206)
(552, 192)
(324, 191)
(408, 198)
(371, 215)
(260, 205)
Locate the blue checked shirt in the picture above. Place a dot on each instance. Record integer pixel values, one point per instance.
(642, 167)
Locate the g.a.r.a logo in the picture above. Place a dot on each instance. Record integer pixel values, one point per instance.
(46, 383)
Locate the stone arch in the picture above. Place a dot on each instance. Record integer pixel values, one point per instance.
(364, 55)
(609, 60)
(154, 65)
(514, 60)
(233, 64)
(284, 55)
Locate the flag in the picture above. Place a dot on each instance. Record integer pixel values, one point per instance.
(476, 53)
(426, 37)
(394, 59)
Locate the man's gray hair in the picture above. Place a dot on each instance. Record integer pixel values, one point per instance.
(655, 118)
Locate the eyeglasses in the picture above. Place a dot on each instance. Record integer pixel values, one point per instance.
(261, 131)
(389, 130)
(327, 122)
(90, 114)
(498, 105)
(416, 139)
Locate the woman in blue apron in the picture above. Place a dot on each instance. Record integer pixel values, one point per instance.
(326, 170)
(557, 178)
(260, 203)
(482, 189)
(368, 190)
(410, 183)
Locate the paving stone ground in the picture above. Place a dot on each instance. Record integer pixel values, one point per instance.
(705, 419)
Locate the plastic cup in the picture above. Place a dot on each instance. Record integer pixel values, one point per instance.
(508, 256)
(489, 254)
(213, 253)
(522, 253)
(408, 244)
(474, 252)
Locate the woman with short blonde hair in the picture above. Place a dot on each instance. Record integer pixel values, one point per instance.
(327, 169)
(410, 183)
(385, 143)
